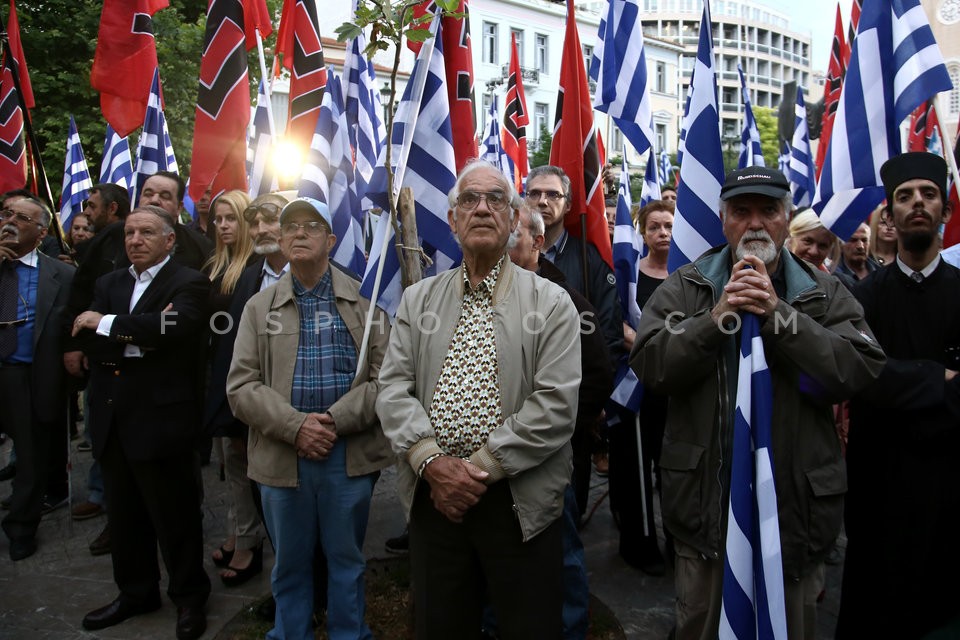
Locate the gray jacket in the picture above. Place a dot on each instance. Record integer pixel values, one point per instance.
(539, 375)
(819, 352)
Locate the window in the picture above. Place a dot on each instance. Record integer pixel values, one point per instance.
(518, 34)
(490, 43)
(661, 136)
(661, 77)
(541, 117)
(542, 53)
(953, 102)
(487, 100)
(587, 55)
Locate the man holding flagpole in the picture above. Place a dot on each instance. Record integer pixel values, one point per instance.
(819, 351)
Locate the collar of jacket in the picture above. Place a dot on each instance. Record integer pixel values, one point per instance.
(507, 273)
(338, 280)
(713, 269)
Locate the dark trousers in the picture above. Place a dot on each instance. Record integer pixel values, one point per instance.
(151, 502)
(32, 441)
(458, 567)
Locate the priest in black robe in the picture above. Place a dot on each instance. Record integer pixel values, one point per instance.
(902, 571)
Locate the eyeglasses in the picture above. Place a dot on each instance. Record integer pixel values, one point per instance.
(22, 218)
(19, 322)
(313, 229)
(496, 200)
(269, 210)
(535, 195)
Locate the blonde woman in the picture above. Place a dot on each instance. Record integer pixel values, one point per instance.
(811, 241)
(240, 557)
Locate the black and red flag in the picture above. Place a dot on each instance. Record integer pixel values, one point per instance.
(223, 97)
(13, 156)
(831, 90)
(16, 47)
(924, 133)
(124, 61)
(951, 232)
(575, 148)
(458, 61)
(856, 7)
(516, 119)
(298, 41)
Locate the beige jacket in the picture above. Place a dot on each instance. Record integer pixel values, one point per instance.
(261, 377)
(538, 349)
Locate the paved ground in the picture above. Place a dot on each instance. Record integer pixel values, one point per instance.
(46, 596)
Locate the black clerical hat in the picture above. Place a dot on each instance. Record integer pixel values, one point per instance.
(912, 165)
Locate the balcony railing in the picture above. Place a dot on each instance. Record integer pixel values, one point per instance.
(528, 75)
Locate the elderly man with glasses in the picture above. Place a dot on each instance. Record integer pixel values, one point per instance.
(306, 388)
(479, 399)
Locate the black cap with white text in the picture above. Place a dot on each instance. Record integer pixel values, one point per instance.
(755, 180)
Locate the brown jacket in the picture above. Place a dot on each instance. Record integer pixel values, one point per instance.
(261, 377)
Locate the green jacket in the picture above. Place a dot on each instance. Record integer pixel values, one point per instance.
(261, 378)
(819, 351)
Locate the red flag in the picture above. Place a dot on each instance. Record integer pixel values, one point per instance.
(924, 132)
(855, 9)
(16, 48)
(298, 41)
(951, 233)
(515, 119)
(831, 90)
(256, 17)
(124, 61)
(458, 61)
(575, 148)
(223, 97)
(13, 157)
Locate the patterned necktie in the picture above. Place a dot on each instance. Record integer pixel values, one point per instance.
(917, 277)
(9, 294)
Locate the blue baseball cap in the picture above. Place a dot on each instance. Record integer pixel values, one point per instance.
(310, 205)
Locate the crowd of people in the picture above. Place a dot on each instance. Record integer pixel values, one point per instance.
(490, 392)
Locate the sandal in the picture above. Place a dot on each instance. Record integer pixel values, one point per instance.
(242, 575)
(225, 557)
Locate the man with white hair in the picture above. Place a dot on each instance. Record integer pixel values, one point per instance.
(819, 351)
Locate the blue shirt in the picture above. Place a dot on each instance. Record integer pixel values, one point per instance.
(326, 355)
(28, 276)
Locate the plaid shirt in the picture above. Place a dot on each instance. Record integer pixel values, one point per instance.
(326, 355)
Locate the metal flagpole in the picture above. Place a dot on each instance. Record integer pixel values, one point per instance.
(643, 482)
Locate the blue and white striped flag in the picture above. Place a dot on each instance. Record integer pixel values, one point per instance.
(328, 176)
(76, 179)
(116, 167)
(751, 154)
(651, 181)
(365, 124)
(753, 593)
(627, 391)
(260, 174)
(619, 67)
(665, 169)
(783, 160)
(895, 66)
(696, 225)
(802, 175)
(423, 159)
(491, 150)
(154, 150)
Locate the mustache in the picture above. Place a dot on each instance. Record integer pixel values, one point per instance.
(754, 236)
(12, 229)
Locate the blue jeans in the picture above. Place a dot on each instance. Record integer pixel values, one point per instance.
(576, 591)
(336, 508)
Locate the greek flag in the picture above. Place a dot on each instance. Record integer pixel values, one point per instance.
(751, 155)
(895, 65)
(76, 179)
(627, 391)
(783, 160)
(116, 167)
(753, 597)
(492, 151)
(665, 167)
(696, 225)
(154, 150)
(364, 122)
(260, 174)
(802, 175)
(619, 67)
(651, 182)
(423, 159)
(328, 176)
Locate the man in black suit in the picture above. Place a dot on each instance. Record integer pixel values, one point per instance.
(145, 398)
(33, 295)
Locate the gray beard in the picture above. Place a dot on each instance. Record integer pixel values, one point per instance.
(766, 251)
(266, 249)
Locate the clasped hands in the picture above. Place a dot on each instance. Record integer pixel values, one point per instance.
(455, 485)
(748, 290)
(316, 436)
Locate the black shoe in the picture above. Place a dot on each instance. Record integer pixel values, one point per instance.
(191, 623)
(242, 575)
(49, 505)
(23, 547)
(6, 502)
(8, 471)
(84, 446)
(101, 544)
(116, 612)
(400, 544)
(266, 610)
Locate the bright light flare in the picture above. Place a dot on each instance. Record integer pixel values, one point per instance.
(287, 161)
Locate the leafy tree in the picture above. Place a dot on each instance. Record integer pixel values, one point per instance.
(541, 156)
(769, 138)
